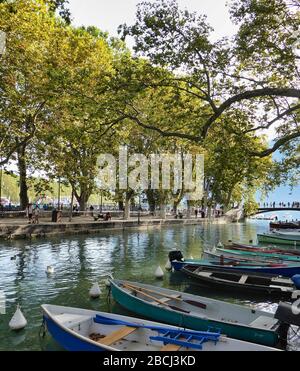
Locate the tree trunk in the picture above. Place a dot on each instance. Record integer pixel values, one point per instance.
(127, 205)
(82, 199)
(23, 177)
(121, 205)
(151, 200)
(162, 210)
(189, 208)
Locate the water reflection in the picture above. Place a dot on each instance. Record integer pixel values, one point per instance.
(82, 260)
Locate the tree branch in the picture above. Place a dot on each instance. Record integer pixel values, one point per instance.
(283, 92)
(280, 142)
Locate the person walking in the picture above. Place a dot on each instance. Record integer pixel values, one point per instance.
(36, 212)
(29, 213)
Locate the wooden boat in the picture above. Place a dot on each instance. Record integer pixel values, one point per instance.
(86, 330)
(263, 254)
(283, 238)
(268, 249)
(196, 312)
(223, 255)
(275, 269)
(285, 225)
(259, 284)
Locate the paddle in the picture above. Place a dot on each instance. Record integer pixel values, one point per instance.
(110, 321)
(190, 302)
(153, 298)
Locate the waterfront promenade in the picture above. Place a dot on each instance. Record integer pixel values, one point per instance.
(18, 228)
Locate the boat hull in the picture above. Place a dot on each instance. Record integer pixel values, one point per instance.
(229, 285)
(277, 239)
(67, 340)
(257, 254)
(288, 271)
(176, 318)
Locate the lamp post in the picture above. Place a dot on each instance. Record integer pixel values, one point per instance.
(139, 211)
(58, 206)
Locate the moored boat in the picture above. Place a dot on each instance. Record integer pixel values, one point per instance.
(254, 283)
(285, 225)
(275, 269)
(283, 238)
(196, 312)
(249, 259)
(86, 330)
(269, 248)
(263, 254)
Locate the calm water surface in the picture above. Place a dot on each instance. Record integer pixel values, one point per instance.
(81, 261)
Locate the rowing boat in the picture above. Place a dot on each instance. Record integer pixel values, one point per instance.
(86, 330)
(275, 286)
(264, 254)
(221, 255)
(283, 238)
(196, 312)
(275, 269)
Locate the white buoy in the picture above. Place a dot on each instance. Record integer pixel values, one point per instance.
(18, 321)
(159, 273)
(191, 257)
(107, 283)
(168, 265)
(50, 269)
(95, 291)
(220, 245)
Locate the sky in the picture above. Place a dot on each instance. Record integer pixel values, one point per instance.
(109, 14)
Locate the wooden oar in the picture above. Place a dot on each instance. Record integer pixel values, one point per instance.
(191, 302)
(153, 298)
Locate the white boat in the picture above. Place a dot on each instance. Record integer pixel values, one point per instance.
(86, 330)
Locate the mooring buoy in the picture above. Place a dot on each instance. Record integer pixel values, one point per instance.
(18, 321)
(159, 273)
(95, 291)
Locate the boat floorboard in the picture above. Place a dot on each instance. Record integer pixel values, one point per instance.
(116, 335)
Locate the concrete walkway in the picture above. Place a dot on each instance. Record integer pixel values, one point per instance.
(20, 229)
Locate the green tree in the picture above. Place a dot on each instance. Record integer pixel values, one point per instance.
(226, 75)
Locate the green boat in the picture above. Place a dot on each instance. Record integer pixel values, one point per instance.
(248, 253)
(280, 238)
(196, 312)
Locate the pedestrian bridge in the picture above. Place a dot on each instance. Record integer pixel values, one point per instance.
(262, 210)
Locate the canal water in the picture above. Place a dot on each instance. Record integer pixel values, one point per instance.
(82, 260)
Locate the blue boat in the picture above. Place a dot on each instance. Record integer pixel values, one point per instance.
(86, 330)
(276, 270)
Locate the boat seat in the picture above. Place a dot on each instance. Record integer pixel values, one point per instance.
(165, 300)
(243, 279)
(287, 289)
(70, 320)
(116, 335)
(204, 274)
(264, 322)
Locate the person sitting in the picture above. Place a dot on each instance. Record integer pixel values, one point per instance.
(97, 217)
(107, 217)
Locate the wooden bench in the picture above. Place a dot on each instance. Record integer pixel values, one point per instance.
(243, 279)
(116, 335)
(165, 300)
